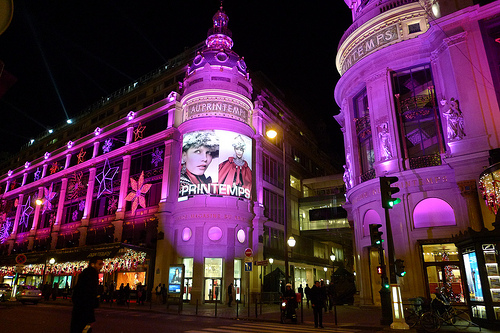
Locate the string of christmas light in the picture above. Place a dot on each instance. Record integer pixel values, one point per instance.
(129, 261)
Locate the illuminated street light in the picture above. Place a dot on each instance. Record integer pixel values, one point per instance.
(291, 241)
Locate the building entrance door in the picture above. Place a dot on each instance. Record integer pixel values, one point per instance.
(375, 279)
(212, 290)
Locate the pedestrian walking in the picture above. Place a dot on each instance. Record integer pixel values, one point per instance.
(158, 293)
(46, 291)
(55, 291)
(318, 303)
(301, 292)
(126, 293)
(164, 294)
(308, 294)
(85, 296)
(230, 294)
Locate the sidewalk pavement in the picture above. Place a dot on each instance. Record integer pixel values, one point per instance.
(348, 316)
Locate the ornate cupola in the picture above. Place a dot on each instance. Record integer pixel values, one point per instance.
(219, 36)
(218, 66)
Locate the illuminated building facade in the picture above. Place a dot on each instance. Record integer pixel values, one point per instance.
(419, 98)
(177, 162)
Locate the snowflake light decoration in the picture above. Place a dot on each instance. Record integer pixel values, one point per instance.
(46, 155)
(139, 189)
(81, 205)
(81, 156)
(37, 174)
(112, 205)
(157, 157)
(54, 168)
(108, 144)
(26, 211)
(139, 132)
(48, 195)
(5, 231)
(105, 179)
(76, 188)
(75, 216)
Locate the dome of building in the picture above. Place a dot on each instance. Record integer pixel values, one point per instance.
(218, 66)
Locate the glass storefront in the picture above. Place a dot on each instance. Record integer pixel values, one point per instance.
(130, 278)
(237, 279)
(213, 279)
(442, 269)
(188, 278)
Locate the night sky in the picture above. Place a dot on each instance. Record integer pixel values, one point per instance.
(67, 54)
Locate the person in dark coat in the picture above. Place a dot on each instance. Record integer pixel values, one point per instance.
(85, 296)
(318, 297)
(308, 293)
(230, 294)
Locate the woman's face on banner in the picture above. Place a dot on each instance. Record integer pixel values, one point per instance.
(197, 160)
(239, 152)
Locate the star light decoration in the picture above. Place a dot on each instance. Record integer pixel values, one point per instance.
(48, 196)
(157, 157)
(81, 156)
(37, 174)
(26, 211)
(138, 191)
(108, 144)
(105, 179)
(139, 132)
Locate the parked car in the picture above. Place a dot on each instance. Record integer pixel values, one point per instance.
(29, 294)
(5, 291)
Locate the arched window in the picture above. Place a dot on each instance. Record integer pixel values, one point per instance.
(433, 212)
(371, 217)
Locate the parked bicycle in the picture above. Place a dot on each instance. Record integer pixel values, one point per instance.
(442, 312)
(414, 312)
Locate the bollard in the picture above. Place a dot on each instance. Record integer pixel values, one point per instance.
(216, 306)
(237, 304)
(261, 307)
(196, 307)
(248, 306)
(335, 313)
(256, 308)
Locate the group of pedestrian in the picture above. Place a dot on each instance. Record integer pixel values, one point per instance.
(50, 291)
(161, 293)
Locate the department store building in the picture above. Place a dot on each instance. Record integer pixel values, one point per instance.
(419, 97)
(176, 169)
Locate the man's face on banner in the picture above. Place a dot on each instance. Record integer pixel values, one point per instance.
(197, 159)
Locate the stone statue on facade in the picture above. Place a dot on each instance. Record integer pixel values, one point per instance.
(385, 141)
(347, 174)
(455, 120)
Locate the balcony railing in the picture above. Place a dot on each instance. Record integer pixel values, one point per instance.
(425, 161)
(370, 174)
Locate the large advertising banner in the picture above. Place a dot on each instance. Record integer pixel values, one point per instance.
(472, 274)
(216, 162)
(175, 278)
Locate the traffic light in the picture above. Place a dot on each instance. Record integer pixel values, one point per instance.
(386, 191)
(385, 283)
(380, 270)
(399, 267)
(376, 235)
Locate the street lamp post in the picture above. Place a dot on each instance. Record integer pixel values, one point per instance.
(325, 269)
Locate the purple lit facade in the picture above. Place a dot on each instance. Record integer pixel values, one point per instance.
(419, 98)
(178, 162)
